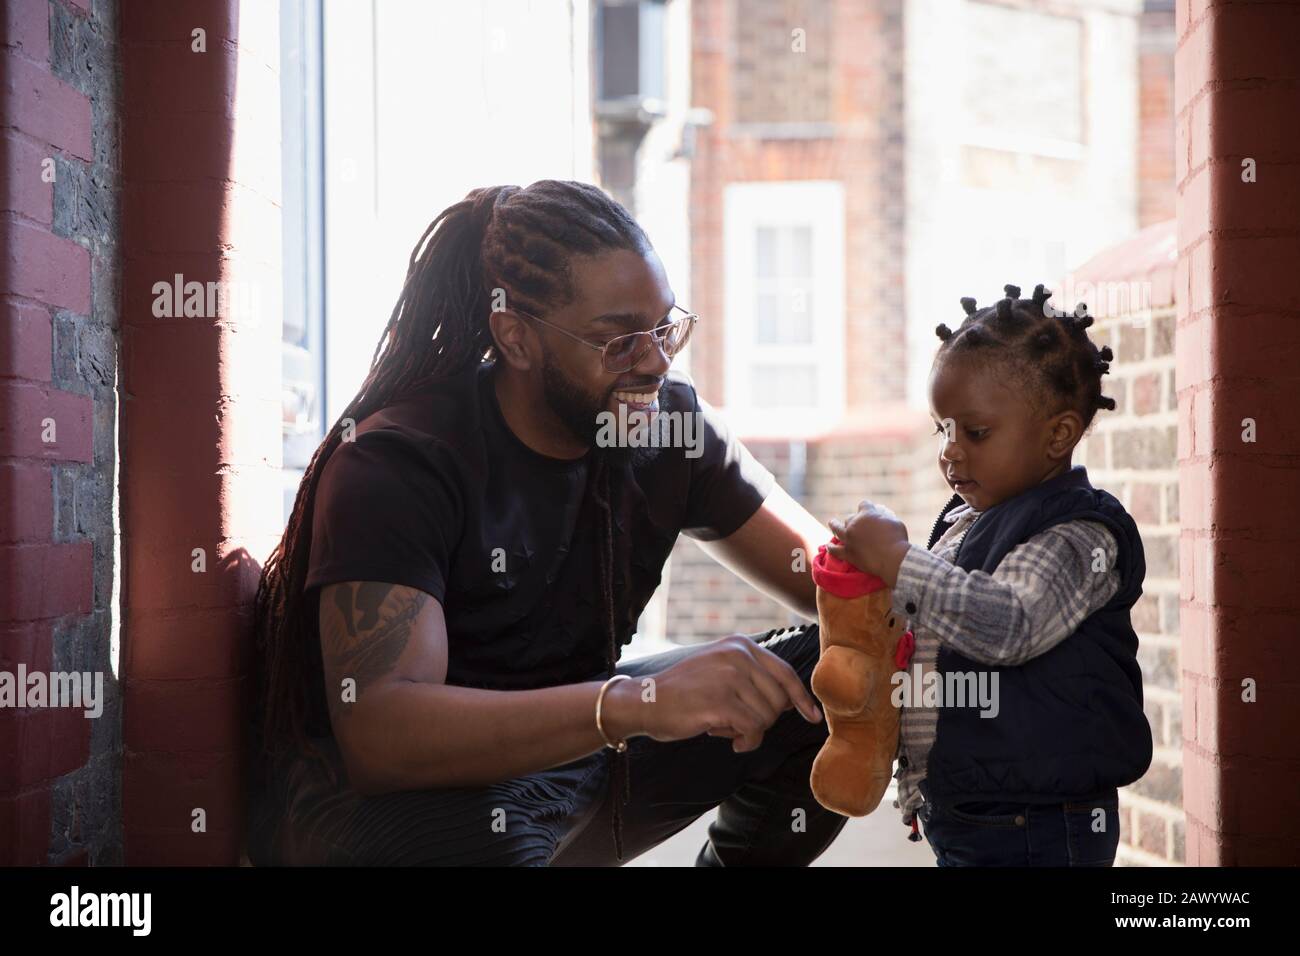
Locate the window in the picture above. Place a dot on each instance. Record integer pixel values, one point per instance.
(629, 51)
(303, 339)
(784, 289)
(629, 39)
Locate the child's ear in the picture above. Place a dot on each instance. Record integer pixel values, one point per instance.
(1066, 430)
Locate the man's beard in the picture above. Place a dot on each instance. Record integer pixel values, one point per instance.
(578, 412)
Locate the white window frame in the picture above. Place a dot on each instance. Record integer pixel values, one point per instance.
(746, 207)
(303, 207)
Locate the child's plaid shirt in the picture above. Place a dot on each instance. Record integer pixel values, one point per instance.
(1035, 598)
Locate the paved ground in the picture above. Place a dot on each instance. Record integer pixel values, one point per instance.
(878, 839)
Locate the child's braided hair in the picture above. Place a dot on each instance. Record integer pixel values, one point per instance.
(1051, 347)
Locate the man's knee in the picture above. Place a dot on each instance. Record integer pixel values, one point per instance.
(799, 646)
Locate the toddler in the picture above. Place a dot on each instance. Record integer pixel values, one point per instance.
(1022, 702)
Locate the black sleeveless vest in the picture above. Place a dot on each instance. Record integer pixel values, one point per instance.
(1070, 723)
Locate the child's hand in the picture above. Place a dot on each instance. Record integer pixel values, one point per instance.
(873, 540)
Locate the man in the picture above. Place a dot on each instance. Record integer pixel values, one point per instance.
(441, 624)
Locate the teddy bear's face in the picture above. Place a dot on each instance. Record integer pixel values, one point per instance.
(884, 626)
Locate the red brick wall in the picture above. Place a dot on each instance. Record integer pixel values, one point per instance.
(1237, 96)
(861, 146)
(58, 357)
(201, 441)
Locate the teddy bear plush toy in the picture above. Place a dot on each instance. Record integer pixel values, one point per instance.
(863, 643)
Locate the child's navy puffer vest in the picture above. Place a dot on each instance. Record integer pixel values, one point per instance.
(1070, 722)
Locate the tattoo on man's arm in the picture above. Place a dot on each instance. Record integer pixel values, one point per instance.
(376, 627)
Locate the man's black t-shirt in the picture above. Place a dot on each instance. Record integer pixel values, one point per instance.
(437, 493)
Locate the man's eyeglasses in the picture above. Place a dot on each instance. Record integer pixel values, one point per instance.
(624, 352)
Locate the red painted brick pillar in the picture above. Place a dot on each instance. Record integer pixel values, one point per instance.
(1237, 95)
(46, 580)
(201, 428)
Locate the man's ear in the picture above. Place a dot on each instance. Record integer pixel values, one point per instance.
(513, 338)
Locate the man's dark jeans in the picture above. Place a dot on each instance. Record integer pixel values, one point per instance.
(561, 817)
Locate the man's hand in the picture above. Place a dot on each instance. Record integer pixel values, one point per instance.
(873, 540)
(729, 688)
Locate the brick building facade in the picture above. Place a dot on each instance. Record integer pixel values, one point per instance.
(1156, 112)
(812, 92)
(1132, 451)
(843, 117)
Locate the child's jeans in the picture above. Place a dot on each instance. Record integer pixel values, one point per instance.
(1076, 833)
